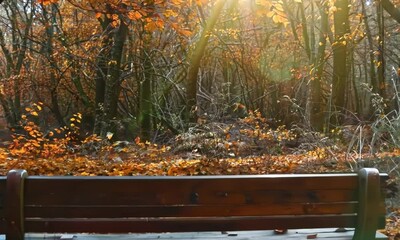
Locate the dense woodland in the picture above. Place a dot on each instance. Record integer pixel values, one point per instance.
(151, 67)
(200, 87)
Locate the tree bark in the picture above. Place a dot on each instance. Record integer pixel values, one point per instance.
(108, 77)
(391, 9)
(100, 79)
(341, 25)
(381, 46)
(195, 62)
(145, 98)
(317, 117)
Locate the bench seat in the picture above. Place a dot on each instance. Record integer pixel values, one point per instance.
(142, 204)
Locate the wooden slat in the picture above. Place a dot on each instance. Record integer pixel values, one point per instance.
(179, 196)
(256, 182)
(189, 211)
(170, 190)
(186, 224)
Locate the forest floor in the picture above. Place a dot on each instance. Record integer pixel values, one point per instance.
(242, 147)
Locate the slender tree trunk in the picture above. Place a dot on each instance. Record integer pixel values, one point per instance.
(371, 58)
(113, 79)
(304, 26)
(341, 25)
(145, 100)
(391, 9)
(372, 72)
(50, 17)
(100, 79)
(108, 76)
(195, 61)
(317, 107)
(381, 45)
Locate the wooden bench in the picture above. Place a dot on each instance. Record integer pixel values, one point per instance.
(141, 204)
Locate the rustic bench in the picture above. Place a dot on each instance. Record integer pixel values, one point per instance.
(141, 204)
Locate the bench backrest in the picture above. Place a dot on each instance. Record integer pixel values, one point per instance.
(195, 203)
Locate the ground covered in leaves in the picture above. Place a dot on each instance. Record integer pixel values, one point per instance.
(246, 146)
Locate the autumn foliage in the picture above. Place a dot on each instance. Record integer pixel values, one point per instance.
(197, 87)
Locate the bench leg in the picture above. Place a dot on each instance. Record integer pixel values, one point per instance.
(14, 204)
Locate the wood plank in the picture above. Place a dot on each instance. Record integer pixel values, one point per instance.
(143, 225)
(295, 234)
(167, 190)
(179, 196)
(213, 183)
(188, 211)
(158, 190)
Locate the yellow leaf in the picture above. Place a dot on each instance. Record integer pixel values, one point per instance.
(184, 32)
(39, 108)
(176, 2)
(279, 7)
(109, 135)
(151, 26)
(170, 13)
(134, 15)
(47, 2)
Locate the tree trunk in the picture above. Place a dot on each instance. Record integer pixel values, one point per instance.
(391, 9)
(145, 99)
(100, 80)
(50, 17)
(317, 107)
(108, 77)
(381, 45)
(191, 104)
(372, 72)
(341, 25)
